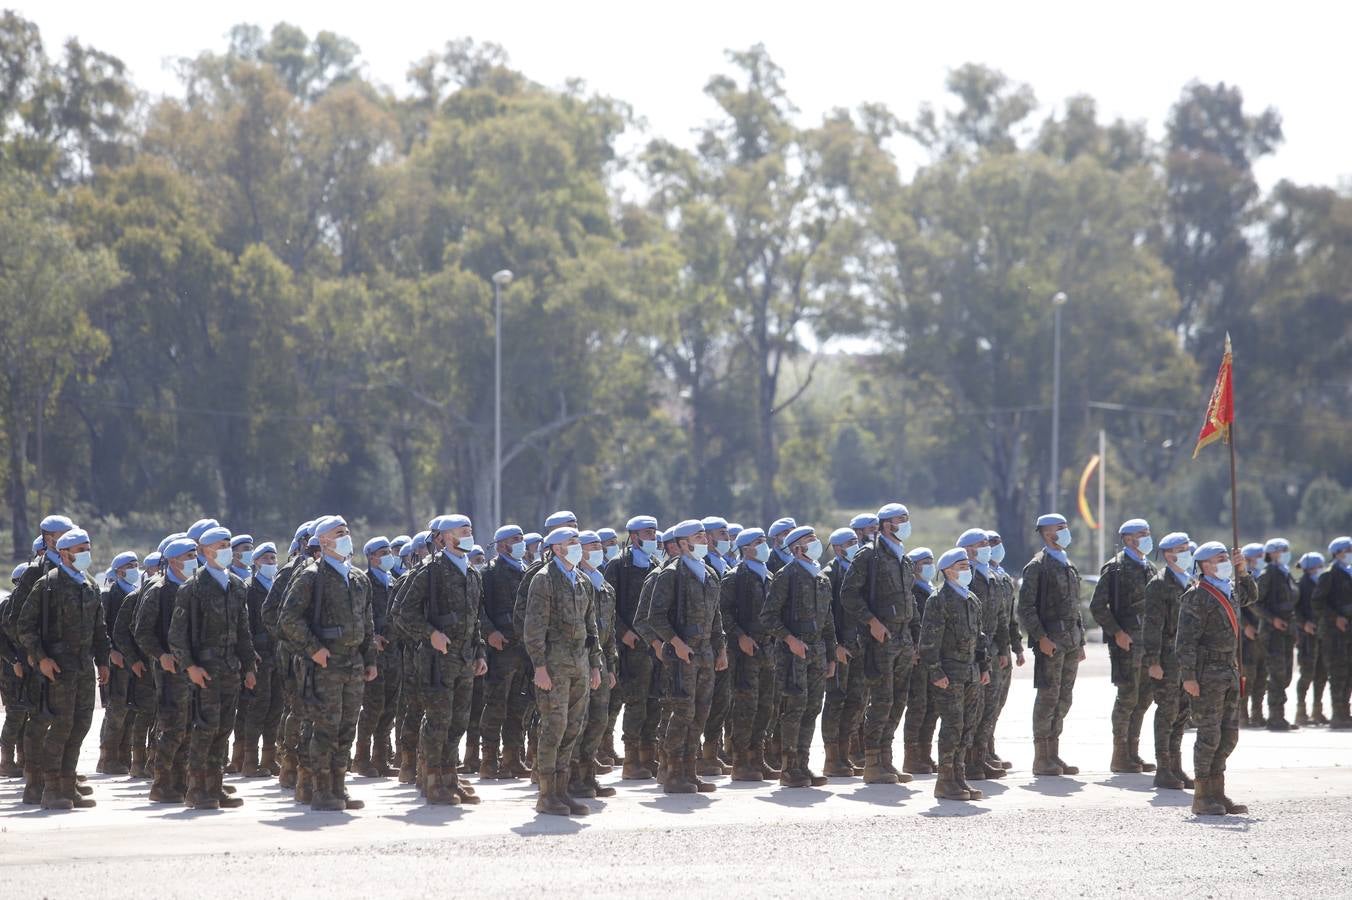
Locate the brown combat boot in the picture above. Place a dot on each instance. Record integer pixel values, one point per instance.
(1204, 802)
(886, 757)
(632, 768)
(33, 787)
(792, 776)
(1066, 768)
(960, 776)
(874, 773)
(981, 768)
(996, 758)
(709, 763)
(361, 759)
(163, 789)
(606, 754)
(290, 768)
(77, 799)
(1341, 721)
(1122, 763)
(1218, 793)
(745, 768)
(1317, 716)
(804, 759)
(266, 764)
(766, 770)
(511, 766)
(676, 781)
(589, 770)
(1166, 777)
(236, 764)
(382, 758)
(602, 768)
(855, 754)
(647, 757)
(222, 791)
(946, 787)
(913, 762)
(489, 770)
(1044, 763)
(198, 797)
(439, 791)
(8, 767)
(52, 795)
(111, 762)
(561, 790)
(472, 757)
(305, 786)
(340, 791)
(322, 798)
(547, 802)
(1176, 758)
(704, 787)
(407, 763)
(836, 765)
(138, 762)
(577, 785)
(1302, 717)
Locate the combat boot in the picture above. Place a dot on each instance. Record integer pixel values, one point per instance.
(361, 759)
(745, 768)
(647, 757)
(489, 769)
(704, 787)
(774, 754)
(267, 764)
(663, 766)
(1243, 717)
(886, 759)
(287, 777)
(407, 761)
(1066, 768)
(382, 758)
(606, 754)
(80, 787)
(236, 764)
(222, 792)
(8, 767)
(836, 766)
(1204, 802)
(110, 762)
(33, 789)
(1166, 776)
(709, 763)
(601, 790)
(577, 786)
(1256, 718)
(996, 758)
(472, 758)
(960, 776)
(52, 796)
(676, 782)
(163, 789)
(981, 767)
(855, 754)
(565, 795)
(804, 758)
(78, 800)
(1341, 721)
(340, 791)
(1044, 763)
(138, 762)
(420, 779)
(1317, 716)
(248, 766)
(603, 768)
(305, 786)
(322, 798)
(511, 766)
(874, 773)
(791, 776)
(1122, 762)
(1277, 720)
(1218, 792)
(460, 787)
(912, 763)
(548, 802)
(1302, 717)
(1176, 757)
(197, 796)
(946, 787)
(439, 791)
(766, 770)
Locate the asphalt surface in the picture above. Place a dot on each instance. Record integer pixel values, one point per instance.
(1095, 834)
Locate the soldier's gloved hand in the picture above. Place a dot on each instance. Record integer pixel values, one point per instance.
(746, 645)
(542, 680)
(1192, 688)
(497, 641)
(480, 668)
(321, 657)
(370, 674)
(1123, 640)
(198, 676)
(103, 674)
(167, 663)
(1045, 644)
(1157, 672)
(440, 642)
(595, 680)
(116, 659)
(138, 669)
(250, 681)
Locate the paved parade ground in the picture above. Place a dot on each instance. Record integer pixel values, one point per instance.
(1094, 834)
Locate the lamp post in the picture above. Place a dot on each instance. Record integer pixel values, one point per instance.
(1058, 301)
(501, 279)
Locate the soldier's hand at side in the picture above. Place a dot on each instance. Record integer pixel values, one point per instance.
(629, 639)
(1019, 660)
(168, 664)
(659, 649)
(480, 668)
(942, 683)
(1123, 640)
(1279, 624)
(1250, 632)
(258, 659)
(198, 676)
(542, 679)
(103, 675)
(1309, 627)
(610, 680)
(1083, 655)
(595, 679)
(879, 631)
(18, 670)
(321, 657)
(721, 661)
(138, 669)
(1157, 672)
(381, 643)
(985, 678)
(1045, 644)
(1192, 689)
(440, 642)
(250, 681)
(681, 648)
(1340, 623)
(746, 645)
(831, 669)
(796, 647)
(1004, 661)
(842, 655)
(497, 641)
(116, 659)
(370, 674)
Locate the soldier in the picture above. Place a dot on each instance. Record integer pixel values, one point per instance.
(1159, 658)
(981, 583)
(380, 697)
(1278, 613)
(731, 557)
(797, 612)
(1118, 605)
(506, 703)
(60, 626)
(211, 643)
(242, 553)
(865, 527)
(265, 708)
(1308, 658)
(755, 691)
(779, 555)
(441, 610)
(397, 545)
(922, 709)
(136, 666)
(877, 599)
(1255, 658)
(1208, 631)
(1049, 610)
(683, 613)
(1332, 604)
(11, 691)
(953, 652)
(533, 540)
(411, 693)
(713, 757)
(636, 664)
(844, 544)
(1002, 671)
(154, 612)
(327, 613)
(114, 736)
(583, 781)
(293, 749)
(610, 542)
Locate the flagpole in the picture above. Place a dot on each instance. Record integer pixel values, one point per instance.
(1234, 519)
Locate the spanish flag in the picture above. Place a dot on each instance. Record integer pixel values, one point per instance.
(1220, 412)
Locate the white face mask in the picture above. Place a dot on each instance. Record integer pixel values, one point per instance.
(998, 554)
(246, 558)
(1285, 558)
(983, 555)
(595, 558)
(133, 577)
(814, 549)
(699, 551)
(268, 570)
(189, 567)
(519, 550)
(903, 531)
(762, 554)
(649, 548)
(927, 572)
(388, 562)
(1063, 538)
(612, 552)
(723, 547)
(343, 546)
(573, 554)
(466, 543)
(1224, 570)
(1145, 545)
(965, 577)
(83, 560)
(223, 557)
(1184, 561)
(850, 552)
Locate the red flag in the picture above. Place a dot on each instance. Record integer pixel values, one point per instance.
(1220, 412)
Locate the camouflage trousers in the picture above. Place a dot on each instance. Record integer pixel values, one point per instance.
(802, 689)
(380, 697)
(295, 727)
(264, 711)
(1216, 715)
(1133, 698)
(57, 739)
(408, 721)
(687, 708)
(1255, 674)
(1171, 708)
(594, 722)
(445, 684)
(835, 727)
(172, 710)
(115, 732)
(1336, 648)
(959, 709)
(1281, 657)
(755, 692)
(1310, 662)
(922, 710)
(211, 718)
(506, 702)
(991, 702)
(886, 670)
(719, 705)
(642, 706)
(1055, 691)
(563, 712)
(16, 706)
(330, 701)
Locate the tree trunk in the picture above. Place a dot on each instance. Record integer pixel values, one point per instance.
(767, 456)
(1007, 468)
(16, 489)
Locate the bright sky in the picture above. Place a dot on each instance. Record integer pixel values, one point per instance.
(1134, 58)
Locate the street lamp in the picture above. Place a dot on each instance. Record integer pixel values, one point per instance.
(501, 279)
(1058, 301)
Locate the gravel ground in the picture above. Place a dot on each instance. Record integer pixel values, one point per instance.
(1030, 834)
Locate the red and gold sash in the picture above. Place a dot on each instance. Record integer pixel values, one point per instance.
(1225, 605)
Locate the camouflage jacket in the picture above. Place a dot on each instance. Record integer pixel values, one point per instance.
(1278, 598)
(742, 600)
(994, 618)
(1332, 595)
(154, 611)
(1126, 578)
(210, 624)
(952, 643)
(1207, 636)
(679, 600)
(343, 624)
(501, 582)
(73, 633)
(799, 604)
(1160, 628)
(878, 584)
(603, 605)
(560, 625)
(1049, 602)
(442, 598)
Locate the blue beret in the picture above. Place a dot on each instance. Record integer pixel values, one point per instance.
(1050, 519)
(1276, 545)
(446, 523)
(798, 533)
(265, 547)
(864, 520)
(420, 540)
(72, 538)
(1210, 550)
(57, 523)
(398, 542)
(152, 560)
(1133, 526)
(780, 526)
(313, 541)
(241, 539)
(734, 529)
(686, 529)
(562, 517)
(713, 523)
(212, 535)
(407, 549)
(476, 550)
(994, 537)
(328, 523)
(375, 544)
(1251, 550)
(201, 526)
(607, 534)
(588, 537)
(178, 547)
(749, 536)
(1312, 560)
(170, 539)
(842, 536)
(638, 523)
(1340, 545)
(560, 535)
(18, 572)
(122, 559)
(302, 532)
(37, 545)
(892, 510)
(533, 537)
(1174, 540)
(508, 533)
(971, 536)
(951, 558)
(666, 537)
(920, 553)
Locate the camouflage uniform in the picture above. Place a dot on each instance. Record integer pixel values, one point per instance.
(560, 634)
(638, 668)
(1332, 601)
(799, 604)
(1309, 659)
(408, 719)
(1158, 634)
(140, 690)
(506, 701)
(1118, 604)
(953, 645)
(265, 709)
(834, 726)
(380, 697)
(1278, 598)
(922, 707)
(598, 707)
(114, 735)
(1255, 673)
(1206, 654)
(294, 739)
(755, 688)
(1004, 586)
(22, 701)
(1049, 606)
(153, 615)
(713, 751)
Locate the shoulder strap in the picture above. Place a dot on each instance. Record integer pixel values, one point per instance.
(1225, 605)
